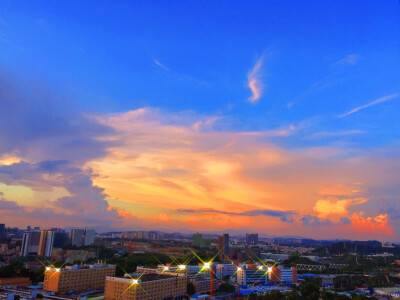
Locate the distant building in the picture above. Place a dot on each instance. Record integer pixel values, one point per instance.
(147, 287)
(46, 243)
(197, 237)
(251, 238)
(89, 236)
(60, 238)
(76, 278)
(76, 237)
(3, 231)
(223, 246)
(30, 243)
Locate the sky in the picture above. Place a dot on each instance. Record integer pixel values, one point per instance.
(275, 117)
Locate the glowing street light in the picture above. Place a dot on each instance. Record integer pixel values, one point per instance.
(269, 269)
(239, 269)
(260, 267)
(182, 267)
(135, 281)
(57, 269)
(166, 268)
(48, 268)
(207, 265)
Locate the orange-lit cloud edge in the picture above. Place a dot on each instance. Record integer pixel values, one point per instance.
(183, 175)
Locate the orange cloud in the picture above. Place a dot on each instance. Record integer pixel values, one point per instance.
(163, 217)
(371, 225)
(121, 212)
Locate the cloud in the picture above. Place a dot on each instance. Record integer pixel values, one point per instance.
(178, 75)
(283, 215)
(37, 125)
(349, 60)
(158, 63)
(254, 81)
(377, 101)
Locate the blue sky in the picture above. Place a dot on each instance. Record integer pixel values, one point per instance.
(327, 70)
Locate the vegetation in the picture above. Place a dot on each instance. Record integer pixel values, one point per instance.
(190, 289)
(128, 264)
(225, 288)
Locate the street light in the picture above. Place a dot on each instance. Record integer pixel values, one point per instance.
(182, 267)
(207, 265)
(135, 281)
(57, 270)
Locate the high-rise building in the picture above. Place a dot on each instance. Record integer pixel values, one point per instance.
(3, 231)
(46, 243)
(60, 238)
(251, 238)
(89, 236)
(197, 237)
(30, 243)
(223, 246)
(77, 278)
(76, 237)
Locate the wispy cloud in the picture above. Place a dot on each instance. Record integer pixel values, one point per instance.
(349, 60)
(377, 101)
(254, 81)
(282, 214)
(179, 75)
(158, 63)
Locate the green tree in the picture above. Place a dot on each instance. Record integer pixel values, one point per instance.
(226, 288)
(190, 289)
(310, 289)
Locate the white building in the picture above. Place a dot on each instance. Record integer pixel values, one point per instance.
(89, 236)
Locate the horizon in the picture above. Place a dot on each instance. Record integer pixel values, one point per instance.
(279, 118)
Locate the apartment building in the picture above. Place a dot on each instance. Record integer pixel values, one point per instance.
(77, 278)
(145, 287)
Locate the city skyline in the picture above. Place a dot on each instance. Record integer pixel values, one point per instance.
(273, 118)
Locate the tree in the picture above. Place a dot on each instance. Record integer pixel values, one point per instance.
(190, 289)
(226, 288)
(309, 289)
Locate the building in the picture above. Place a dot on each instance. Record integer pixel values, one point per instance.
(30, 243)
(283, 275)
(223, 246)
(197, 237)
(147, 287)
(223, 270)
(3, 231)
(89, 236)
(60, 238)
(76, 278)
(15, 282)
(202, 286)
(252, 275)
(251, 238)
(46, 243)
(76, 237)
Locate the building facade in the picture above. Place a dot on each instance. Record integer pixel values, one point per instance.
(46, 243)
(30, 243)
(77, 279)
(89, 236)
(223, 246)
(147, 287)
(251, 276)
(76, 237)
